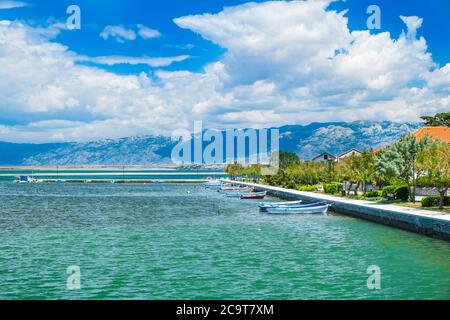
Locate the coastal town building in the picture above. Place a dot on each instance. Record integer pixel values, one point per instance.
(325, 156)
(436, 133)
(351, 152)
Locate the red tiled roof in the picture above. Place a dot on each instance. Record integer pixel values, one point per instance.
(435, 133)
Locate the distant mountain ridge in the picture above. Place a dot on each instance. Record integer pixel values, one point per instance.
(306, 141)
(338, 137)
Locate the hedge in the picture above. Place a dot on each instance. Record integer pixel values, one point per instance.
(332, 188)
(306, 188)
(388, 190)
(290, 184)
(373, 194)
(399, 192)
(433, 201)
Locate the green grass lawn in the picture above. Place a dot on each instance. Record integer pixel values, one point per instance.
(418, 205)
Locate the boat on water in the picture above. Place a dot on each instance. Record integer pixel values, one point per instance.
(233, 194)
(236, 189)
(311, 208)
(287, 203)
(215, 184)
(27, 179)
(254, 195)
(23, 179)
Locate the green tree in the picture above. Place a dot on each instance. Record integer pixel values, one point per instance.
(440, 119)
(234, 170)
(357, 169)
(252, 172)
(388, 164)
(310, 173)
(434, 160)
(399, 160)
(366, 168)
(288, 159)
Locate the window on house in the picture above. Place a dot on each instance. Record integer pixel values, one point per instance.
(325, 156)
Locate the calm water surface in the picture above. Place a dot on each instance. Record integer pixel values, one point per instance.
(182, 242)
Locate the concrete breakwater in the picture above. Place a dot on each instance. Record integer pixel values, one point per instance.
(430, 223)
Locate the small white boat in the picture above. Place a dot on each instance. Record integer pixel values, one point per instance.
(254, 195)
(277, 204)
(236, 194)
(233, 194)
(238, 189)
(213, 184)
(311, 209)
(24, 179)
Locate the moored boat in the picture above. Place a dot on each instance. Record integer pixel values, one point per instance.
(312, 208)
(234, 194)
(27, 179)
(23, 179)
(236, 189)
(254, 195)
(287, 203)
(215, 184)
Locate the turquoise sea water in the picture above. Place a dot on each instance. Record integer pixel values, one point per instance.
(176, 241)
(127, 174)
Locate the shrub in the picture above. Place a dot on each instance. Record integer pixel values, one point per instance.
(388, 190)
(306, 188)
(401, 192)
(373, 194)
(291, 184)
(332, 188)
(397, 182)
(433, 201)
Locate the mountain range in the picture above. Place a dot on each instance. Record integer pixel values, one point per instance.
(307, 141)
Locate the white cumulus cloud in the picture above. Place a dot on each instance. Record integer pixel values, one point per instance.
(412, 23)
(12, 4)
(119, 33)
(285, 63)
(122, 34)
(147, 33)
(153, 62)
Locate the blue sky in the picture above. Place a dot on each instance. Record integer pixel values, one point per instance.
(159, 15)
(187, 60)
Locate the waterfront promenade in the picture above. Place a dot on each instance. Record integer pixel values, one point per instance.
(425, 222)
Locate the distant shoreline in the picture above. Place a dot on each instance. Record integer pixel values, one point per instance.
(84, 167)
